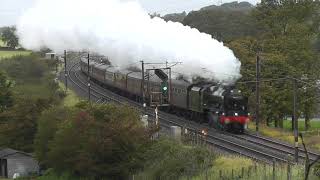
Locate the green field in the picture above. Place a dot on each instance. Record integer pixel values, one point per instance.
(314, 125)
(8, 54)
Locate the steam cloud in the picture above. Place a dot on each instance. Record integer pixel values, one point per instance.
(124, 32)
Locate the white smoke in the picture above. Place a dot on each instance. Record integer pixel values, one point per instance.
(124, 32)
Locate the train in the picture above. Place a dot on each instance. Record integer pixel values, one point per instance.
(220, 106)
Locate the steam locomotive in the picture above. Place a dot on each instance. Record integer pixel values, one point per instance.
(222, 107)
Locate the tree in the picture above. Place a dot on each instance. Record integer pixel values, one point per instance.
(285, 44)
(9, 37)
(18, 125)
(94, 141)
(48, 125)
(6, 97)
(290, 28)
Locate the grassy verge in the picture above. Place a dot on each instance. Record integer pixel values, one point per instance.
(8, 54)
(71, 98)
(220, 167)
(312, 140)
(242, 168)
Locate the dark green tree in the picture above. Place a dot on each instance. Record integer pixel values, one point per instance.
(9, 37)
(6, 96)
(292, 27)
(18, 125)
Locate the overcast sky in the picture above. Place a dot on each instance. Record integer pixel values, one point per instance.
(10, 10)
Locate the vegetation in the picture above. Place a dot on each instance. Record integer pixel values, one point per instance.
(284, 34)
(167, 159)
(9, 37)
(91, 140)
(74, 140)
(28, 90)
(70, 99)
(6, 99)
(1, 43)
(225, 22)
(8, 54)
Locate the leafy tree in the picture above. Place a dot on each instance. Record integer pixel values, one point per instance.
(288, 29)
(94, 141)
(18, 125)
(9, 37)
(6, 96)
(48, 124)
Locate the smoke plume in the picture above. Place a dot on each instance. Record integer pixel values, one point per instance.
(124, 32)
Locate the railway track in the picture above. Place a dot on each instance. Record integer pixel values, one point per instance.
(271, 143)
(249, 145)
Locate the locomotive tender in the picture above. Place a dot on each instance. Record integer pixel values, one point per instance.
(223, 107)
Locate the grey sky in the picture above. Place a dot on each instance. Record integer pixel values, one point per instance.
(10, 10)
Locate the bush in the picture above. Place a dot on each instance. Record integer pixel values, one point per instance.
(18, 124)
(92, 141)
(316, 170)
(167, 159)
(24, 68)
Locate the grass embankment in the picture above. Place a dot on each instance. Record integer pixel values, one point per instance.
(235, 167)
(71, 98)
(312, 139)
(183, 162)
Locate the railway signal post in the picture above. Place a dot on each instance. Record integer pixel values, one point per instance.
(89, 88)
(143, 83)
(295, 121)
(65, 69)
(257, 92)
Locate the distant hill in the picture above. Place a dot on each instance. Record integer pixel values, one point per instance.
(175, 17)
(225, 22)
(233, 6)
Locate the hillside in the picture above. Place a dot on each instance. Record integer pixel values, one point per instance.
(175, 17)
(233, 6)
(225, 22)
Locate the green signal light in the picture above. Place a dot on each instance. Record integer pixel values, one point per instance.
(164, 88)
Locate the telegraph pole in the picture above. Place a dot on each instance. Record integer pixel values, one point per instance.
(65, 70)
(89, 89)
(295, 120)
(142, 85)
(257, 92)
